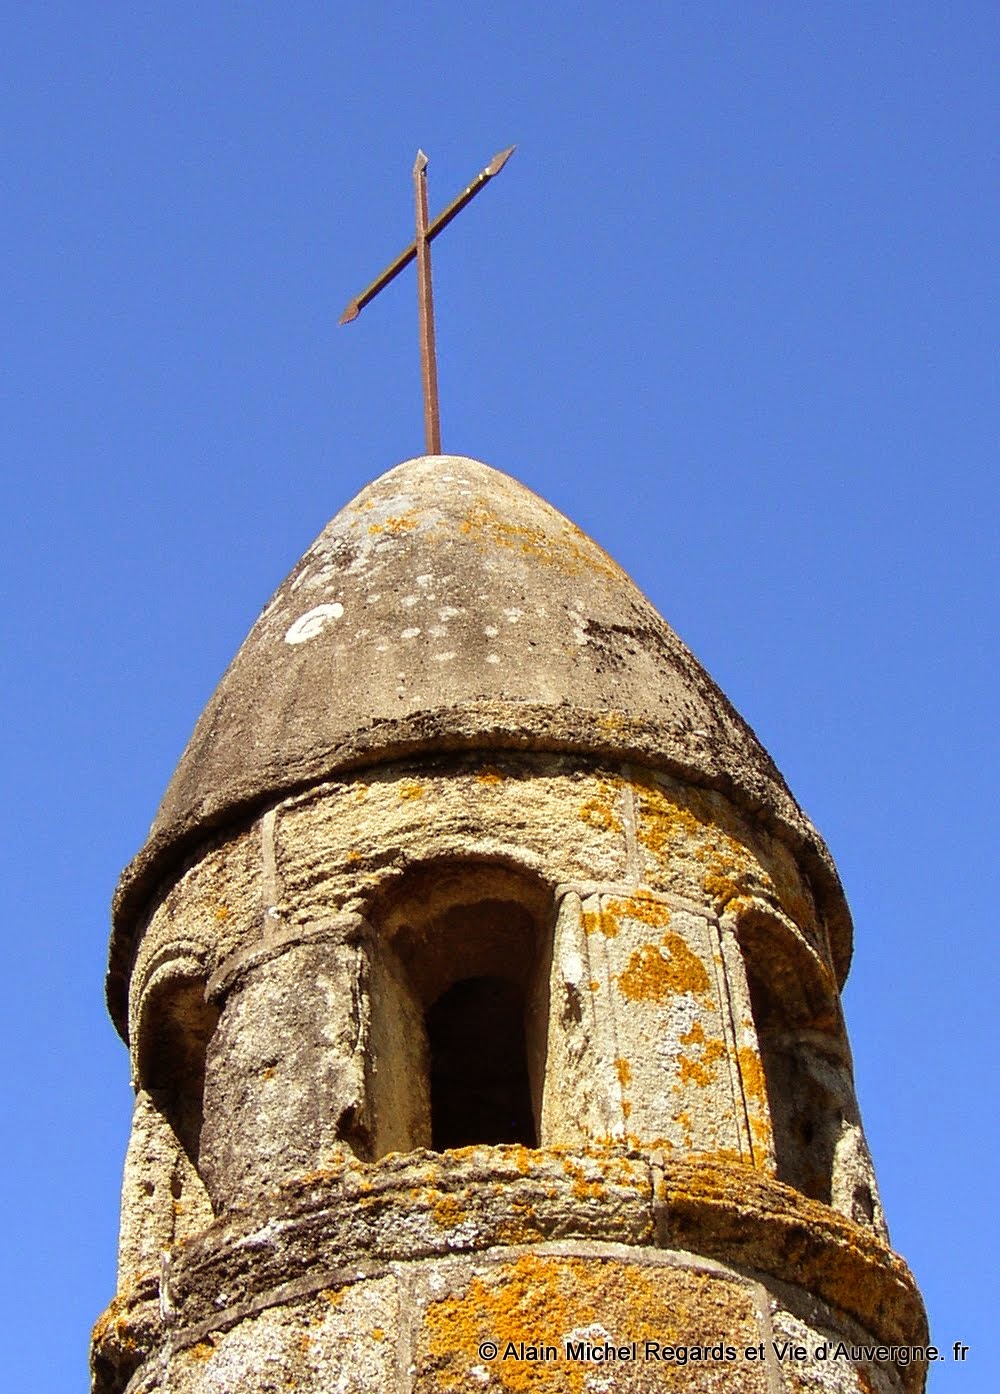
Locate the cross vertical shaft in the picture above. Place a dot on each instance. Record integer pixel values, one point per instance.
(425, 307)
(419, 251)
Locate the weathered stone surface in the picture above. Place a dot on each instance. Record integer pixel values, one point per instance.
(481, 981)
(449, 607)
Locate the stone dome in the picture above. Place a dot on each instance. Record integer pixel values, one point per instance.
(448, 607)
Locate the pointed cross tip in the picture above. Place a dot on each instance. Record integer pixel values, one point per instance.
(352, 312)
(499, 160)
(420, 163)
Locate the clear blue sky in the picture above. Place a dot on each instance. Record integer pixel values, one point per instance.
(732, 307)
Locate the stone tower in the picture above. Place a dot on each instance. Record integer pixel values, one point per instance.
(481, 982)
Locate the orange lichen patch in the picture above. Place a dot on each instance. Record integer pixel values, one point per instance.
(760, 1129)
(701, 1072)
(662, 822)
(411, 790)
(395, 525)
(378, 1333)
(732, 869)
(332, 1295)
(594, 985)
(521, 1225)
(683, 1121)
(353, 857)
(538, 1301)
(530, 1304)
(522, 1160)
(203, 1350)
(626, 1108)
(600, 811)
(222, 912)
(614, 909)
(696, 1036)
(448, 1211)
(267, 1072)
(725, 1156)
(569, 553)
(624, 1071)
(653, 975)
(752, 1074)
(721, 888)
(594, 920)
(489, 775)
(584, 1187)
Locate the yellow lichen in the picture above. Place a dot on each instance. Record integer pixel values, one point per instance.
(624, 1071)
(536, 1301)
(752, 1074)
(700, 1071)
(613, 909)
(411, 790)
(599, 811)
(568, 553)
(657, 972)
(395, 525)
(448, 1211)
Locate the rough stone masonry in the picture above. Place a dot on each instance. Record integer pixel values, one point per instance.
(481, 980)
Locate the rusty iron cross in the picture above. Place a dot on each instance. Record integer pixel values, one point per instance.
(420, 251)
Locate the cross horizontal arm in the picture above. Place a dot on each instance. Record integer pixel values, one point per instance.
(438, 225)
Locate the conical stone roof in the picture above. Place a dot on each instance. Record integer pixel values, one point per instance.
(449, 607)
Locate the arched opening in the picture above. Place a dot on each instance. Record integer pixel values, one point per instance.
(460, 1012)
(480, 1090)
(818, 1143)
(175, 1028)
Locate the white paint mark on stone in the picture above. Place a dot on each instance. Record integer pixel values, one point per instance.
(491, 631)
(513, 614)
(409, 601)
(444, 657)
(438, 631)
(425, 580)
(374, 599)
(448, 612)
(492, 658)
(410, 633)
(313, 622)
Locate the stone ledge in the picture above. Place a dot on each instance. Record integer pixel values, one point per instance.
(426, 1205)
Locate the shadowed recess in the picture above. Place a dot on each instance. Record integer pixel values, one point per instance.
(480, 1090)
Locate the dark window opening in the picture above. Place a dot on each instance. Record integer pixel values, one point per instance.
(176, 1029)
(480, 1088)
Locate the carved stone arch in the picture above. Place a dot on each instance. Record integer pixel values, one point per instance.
(164, 1199)
(175, 1025)
(818, 1141)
